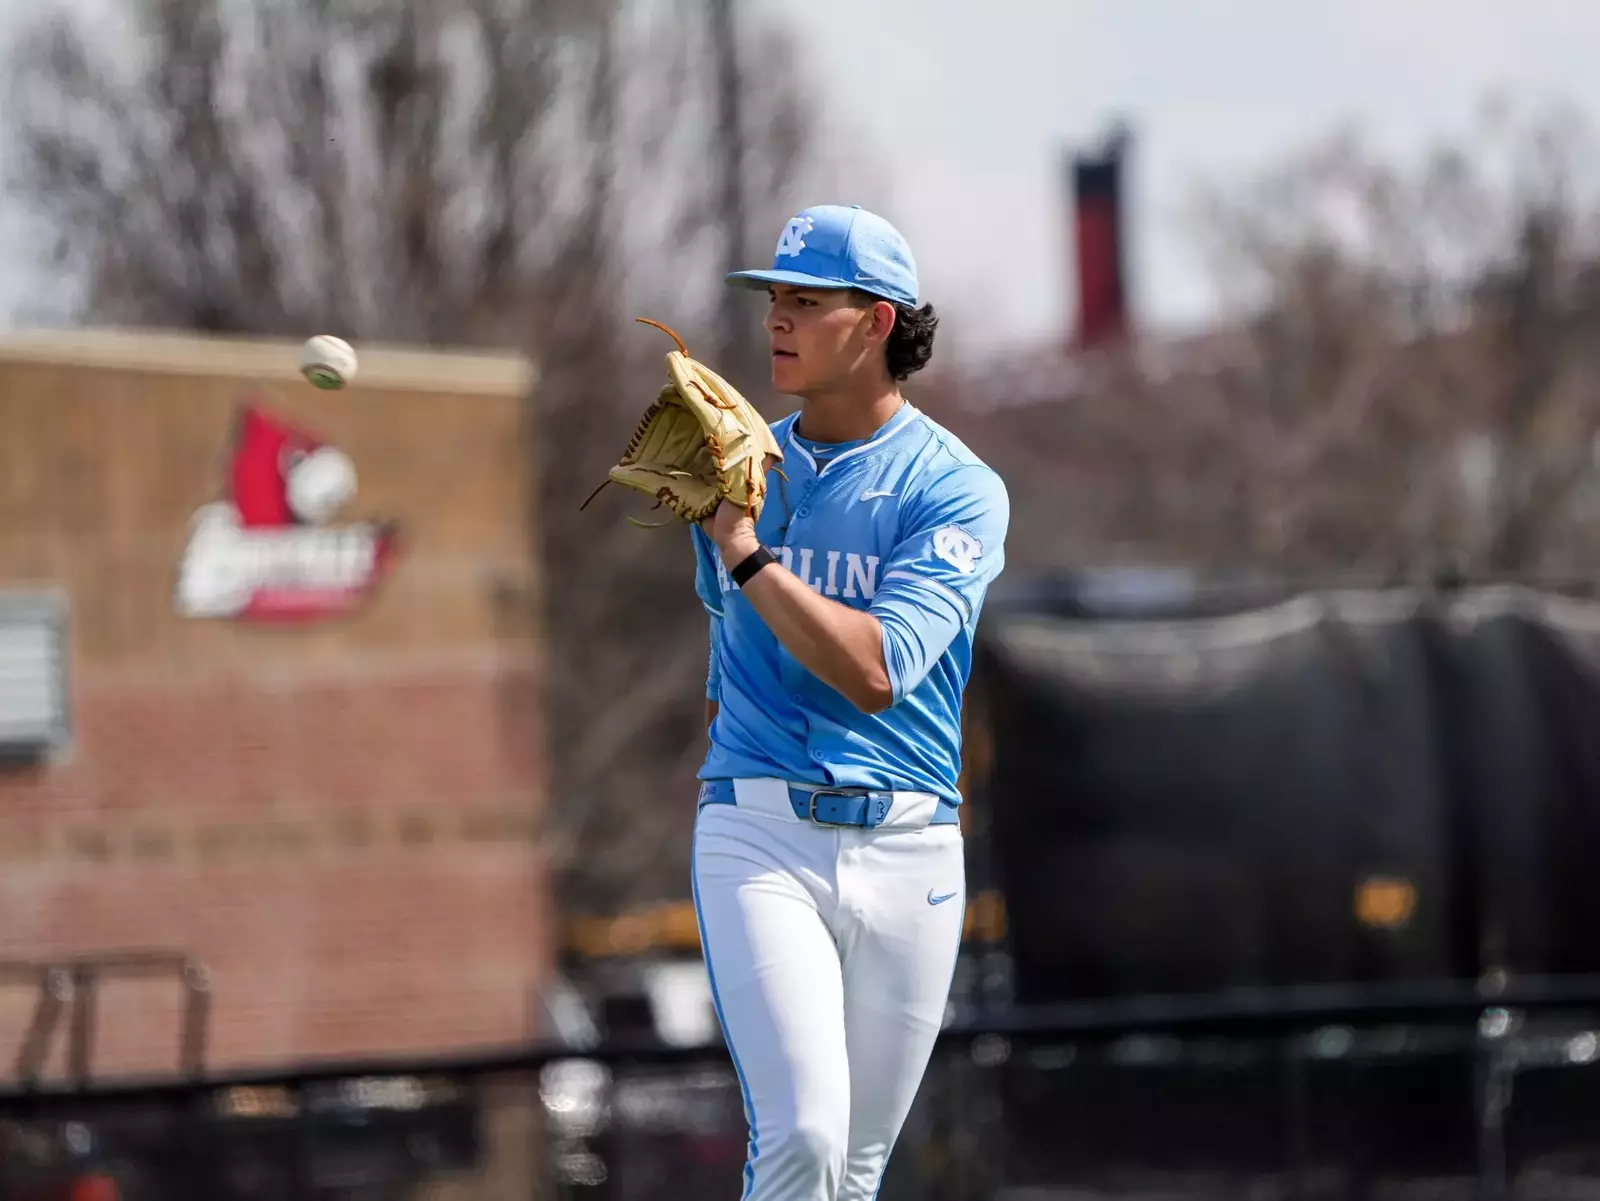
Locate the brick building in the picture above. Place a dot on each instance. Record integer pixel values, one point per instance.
(248, 718)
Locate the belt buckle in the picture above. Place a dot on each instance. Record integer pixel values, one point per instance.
(811, 810)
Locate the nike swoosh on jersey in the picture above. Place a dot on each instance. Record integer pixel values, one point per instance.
(939, 900)
(871, 494)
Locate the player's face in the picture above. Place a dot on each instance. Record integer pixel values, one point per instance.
(819, 338)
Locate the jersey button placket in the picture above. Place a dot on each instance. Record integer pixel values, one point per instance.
(801, 512)
(805, 500)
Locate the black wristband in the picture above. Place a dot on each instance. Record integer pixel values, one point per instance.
(750, 564)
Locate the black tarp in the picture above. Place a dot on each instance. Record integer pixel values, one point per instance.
(1195, 801)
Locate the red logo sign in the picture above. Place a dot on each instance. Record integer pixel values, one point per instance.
(269, 551)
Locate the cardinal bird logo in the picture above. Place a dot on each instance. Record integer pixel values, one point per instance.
(269, 551)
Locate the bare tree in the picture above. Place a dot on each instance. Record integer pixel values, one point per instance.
(1406, 377)
(512, 173)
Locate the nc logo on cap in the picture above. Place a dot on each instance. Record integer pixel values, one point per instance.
(793, 239)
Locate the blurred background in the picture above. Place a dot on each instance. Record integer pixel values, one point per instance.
(347, 772)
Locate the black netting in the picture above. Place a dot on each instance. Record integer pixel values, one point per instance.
(1336, 787)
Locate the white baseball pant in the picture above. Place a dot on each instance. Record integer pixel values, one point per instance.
(831, 953)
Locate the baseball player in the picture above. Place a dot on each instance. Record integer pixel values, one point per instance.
(828, 865)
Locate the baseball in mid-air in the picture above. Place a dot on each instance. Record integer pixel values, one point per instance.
(328, 362)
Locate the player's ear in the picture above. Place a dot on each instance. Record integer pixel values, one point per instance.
(883, 319)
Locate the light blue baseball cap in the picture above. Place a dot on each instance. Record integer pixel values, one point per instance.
(835, 246)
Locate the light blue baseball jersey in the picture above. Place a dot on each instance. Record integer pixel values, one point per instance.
(909, 525)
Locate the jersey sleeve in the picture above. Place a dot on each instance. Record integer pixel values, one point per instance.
(707, 581)
(951, 549)
(714, 668)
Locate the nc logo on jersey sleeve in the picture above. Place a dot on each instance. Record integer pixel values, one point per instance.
(958, 548)
(793, 239)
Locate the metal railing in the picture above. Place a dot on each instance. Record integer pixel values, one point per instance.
(69, 988)
(1446, 1090)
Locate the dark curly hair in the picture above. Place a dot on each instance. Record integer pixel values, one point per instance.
(910, 343)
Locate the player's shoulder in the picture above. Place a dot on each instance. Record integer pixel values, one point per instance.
(943, 462)
(938, 447)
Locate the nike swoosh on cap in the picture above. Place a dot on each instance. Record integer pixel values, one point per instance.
(939, 900)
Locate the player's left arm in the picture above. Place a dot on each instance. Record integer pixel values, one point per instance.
(952, 546)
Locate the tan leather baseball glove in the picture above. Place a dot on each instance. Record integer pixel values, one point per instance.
(698, 443)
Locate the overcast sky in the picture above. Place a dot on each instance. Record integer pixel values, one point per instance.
(959, 111)
(972, 103)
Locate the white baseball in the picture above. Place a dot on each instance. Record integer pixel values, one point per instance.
(328, 362)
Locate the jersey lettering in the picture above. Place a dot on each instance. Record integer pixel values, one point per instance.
(866, 574)
(860, 572)
(833, 574)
